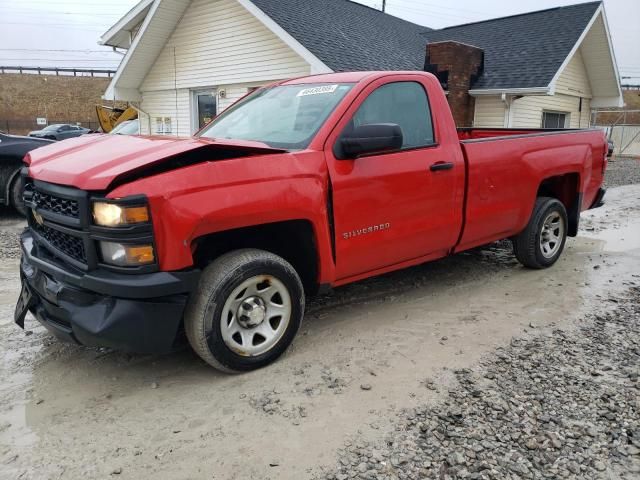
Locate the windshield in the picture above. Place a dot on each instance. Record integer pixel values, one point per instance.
(286, 116)
(130, 127)
(52, 127)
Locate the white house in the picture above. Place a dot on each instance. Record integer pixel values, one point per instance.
(187, 60)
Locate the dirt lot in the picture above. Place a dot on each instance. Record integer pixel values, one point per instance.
(389, 378)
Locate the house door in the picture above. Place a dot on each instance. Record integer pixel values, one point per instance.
(205, 108)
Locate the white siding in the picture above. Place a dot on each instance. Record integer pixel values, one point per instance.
(574, 79)
(489, 112)
(598, 61)
(234, 93)
(218, 45)
(163, 104)
(162, 21)
(218, 42)
(527, 111)
(585, 118)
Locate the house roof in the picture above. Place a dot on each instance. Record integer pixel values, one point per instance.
(522, 51)
(525, 51)
(119, 34)
(347, 35)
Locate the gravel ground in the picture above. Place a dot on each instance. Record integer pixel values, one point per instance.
(560, 405)
(416, 369)
(623, 171)
(11, 224)
(9, 247)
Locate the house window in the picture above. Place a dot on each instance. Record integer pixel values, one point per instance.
(555, 120)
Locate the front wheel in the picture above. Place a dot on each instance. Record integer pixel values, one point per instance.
(246, 311)
(17, 188)
(541, 243)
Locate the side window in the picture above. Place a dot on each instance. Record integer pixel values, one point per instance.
(402, 103)
(555, 120)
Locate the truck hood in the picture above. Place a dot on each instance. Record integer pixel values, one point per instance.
(100, 162)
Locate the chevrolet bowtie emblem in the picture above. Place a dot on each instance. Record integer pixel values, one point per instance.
(37, 217)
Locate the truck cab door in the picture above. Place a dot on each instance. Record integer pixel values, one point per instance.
(395, 207)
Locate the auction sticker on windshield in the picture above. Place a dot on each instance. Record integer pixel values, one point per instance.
(317, 90)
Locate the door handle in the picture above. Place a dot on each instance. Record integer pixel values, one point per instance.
(436, 167)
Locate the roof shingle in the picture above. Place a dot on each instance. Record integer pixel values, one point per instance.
(521, 51)
(348, 36)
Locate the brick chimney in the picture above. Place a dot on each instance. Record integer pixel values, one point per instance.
(457, 66)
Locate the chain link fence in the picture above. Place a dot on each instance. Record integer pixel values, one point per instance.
(622, 128)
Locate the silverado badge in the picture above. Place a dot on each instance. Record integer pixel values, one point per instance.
(366, 230)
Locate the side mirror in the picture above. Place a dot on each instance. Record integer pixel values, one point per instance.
(372, 138)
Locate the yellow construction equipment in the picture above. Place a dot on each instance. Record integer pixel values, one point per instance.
(110, 117)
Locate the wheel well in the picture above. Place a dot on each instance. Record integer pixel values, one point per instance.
(12, 178)
(566, 189)
(292, 240)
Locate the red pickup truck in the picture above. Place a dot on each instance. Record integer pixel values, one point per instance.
(310, 183)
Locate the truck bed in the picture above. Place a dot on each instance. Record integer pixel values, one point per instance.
(506, 166)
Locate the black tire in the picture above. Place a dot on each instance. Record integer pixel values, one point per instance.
(203, 324)
(16, 190)
(527, 246)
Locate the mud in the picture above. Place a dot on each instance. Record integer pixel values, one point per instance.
(364, 354)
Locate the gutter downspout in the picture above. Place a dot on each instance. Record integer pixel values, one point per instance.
(508, 102)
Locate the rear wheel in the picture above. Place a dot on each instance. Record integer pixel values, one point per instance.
(542, 242)
(246, 311)
(17, 187)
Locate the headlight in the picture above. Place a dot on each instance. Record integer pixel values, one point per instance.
(114, 215)
(123, 255)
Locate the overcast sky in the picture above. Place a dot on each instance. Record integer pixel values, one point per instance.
(65, 32)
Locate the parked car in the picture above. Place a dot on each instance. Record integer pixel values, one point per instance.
(307, 184)
(13, 148)
(59, 131)
(129, 127)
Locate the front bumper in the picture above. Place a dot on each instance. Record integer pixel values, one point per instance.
(137, 313)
